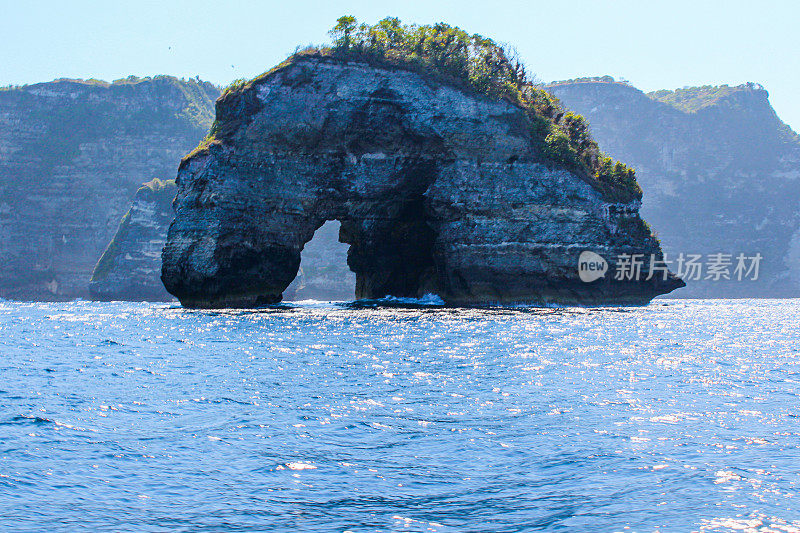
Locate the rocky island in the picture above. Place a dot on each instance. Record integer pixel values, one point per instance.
(449, 172)
(130, 267)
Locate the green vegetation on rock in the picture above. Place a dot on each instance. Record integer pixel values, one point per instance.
(738, 98)
(470, 62)
(589, 79)
(156, 185)
(691, 99)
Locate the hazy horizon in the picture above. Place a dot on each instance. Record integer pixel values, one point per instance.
(683, 44)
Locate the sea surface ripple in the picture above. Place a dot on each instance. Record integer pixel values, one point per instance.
(678, 416)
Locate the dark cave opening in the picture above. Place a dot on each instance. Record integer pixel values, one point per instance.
(393, 257)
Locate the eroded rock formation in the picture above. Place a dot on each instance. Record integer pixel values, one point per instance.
(130, 267)
(438, 190)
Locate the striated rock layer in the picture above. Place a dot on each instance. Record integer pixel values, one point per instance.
(437, 190)
(130, 267)
(721, 171)
(72, 155)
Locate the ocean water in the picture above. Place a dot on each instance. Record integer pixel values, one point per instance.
(678, 416)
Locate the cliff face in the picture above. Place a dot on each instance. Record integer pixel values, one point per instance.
(437, 190)
(720, 171)
(72, 155)
(130, 267)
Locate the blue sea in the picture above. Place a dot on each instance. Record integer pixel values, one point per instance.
(678, 416)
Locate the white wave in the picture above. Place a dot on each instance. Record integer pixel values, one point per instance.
(426, 299)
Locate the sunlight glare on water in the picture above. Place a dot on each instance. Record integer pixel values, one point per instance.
(678, 416)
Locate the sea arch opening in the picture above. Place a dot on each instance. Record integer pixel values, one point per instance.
(323, 273)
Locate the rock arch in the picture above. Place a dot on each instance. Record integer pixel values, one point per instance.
(437, 189)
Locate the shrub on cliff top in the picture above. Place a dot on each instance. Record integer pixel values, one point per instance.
(441, 48)
(477, 63)
(156, 185)
(692, 99)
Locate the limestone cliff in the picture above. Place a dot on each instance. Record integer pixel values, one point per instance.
(130, 267)
(72, 155)
(438, 189)
(720, 170)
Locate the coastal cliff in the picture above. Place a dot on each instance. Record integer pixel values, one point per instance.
(130, 267)
(72, 155)
(720, 169)
(438, 189)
